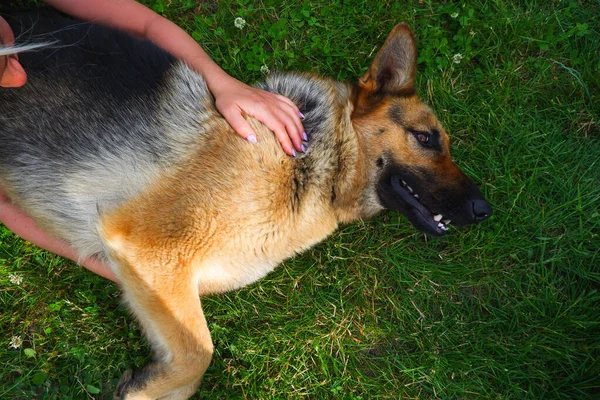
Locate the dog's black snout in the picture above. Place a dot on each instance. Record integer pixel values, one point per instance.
(481, 210)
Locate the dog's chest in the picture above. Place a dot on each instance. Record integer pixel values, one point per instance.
(253, 252)
(222, 275)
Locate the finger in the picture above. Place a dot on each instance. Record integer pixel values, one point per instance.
(6, 38)
(279, 112)
(283, 137)
(280, 124)
(6, 33)
(293, 130)
(289, 102)
(295, 114)
(14, 75)
(284, 140)
(240, 125)
(297, 120)
(3, 64)
(274, 110)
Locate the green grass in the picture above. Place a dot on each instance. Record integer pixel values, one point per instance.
(509, 309)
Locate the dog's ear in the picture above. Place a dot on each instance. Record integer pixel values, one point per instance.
(393, 69)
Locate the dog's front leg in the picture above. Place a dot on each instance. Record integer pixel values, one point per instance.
(167, 305)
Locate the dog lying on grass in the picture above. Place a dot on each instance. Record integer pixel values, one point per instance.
(117, 148)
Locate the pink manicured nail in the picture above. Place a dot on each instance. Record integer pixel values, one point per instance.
(293, 153)
(251, 139)
(305, 136)
(301, 115)
(303, 149)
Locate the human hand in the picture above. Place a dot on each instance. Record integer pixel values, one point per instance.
(11, 72)
(278, 113)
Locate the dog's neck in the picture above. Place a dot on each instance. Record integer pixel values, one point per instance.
(346, 198)
(332, 161)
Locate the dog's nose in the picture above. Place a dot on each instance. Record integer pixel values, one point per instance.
(481, 210)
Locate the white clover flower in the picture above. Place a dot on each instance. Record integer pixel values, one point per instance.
(15, 279)
(454, 15)
(457, 57)
(239, 22)
(265, 70)
(15, 342)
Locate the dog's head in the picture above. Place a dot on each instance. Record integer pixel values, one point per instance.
(406, 148)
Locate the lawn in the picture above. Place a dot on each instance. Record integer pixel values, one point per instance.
(508, 309)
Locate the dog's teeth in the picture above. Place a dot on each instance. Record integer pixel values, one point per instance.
(446, 221)
(404, 183)
(442, 227)
(437, 218)
(416, 196)
(409, 188)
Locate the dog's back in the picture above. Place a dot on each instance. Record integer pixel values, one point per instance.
(101, 115)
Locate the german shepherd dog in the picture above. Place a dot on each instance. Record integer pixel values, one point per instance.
(117, 148)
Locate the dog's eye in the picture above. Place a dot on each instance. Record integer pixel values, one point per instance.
(430, 140)
(423, 138)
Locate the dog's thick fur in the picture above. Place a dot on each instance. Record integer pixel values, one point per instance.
(117, 148)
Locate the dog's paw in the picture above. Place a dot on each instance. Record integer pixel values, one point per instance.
(133, 385)
(122, 386)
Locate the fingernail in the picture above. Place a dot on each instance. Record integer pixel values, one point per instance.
(303, 148)
(293, 153)
(251, 139)
(301, 115)
(305, 136)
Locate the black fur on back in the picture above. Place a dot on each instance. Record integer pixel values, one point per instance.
(86, 72)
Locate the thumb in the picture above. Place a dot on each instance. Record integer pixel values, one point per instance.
(14, 75)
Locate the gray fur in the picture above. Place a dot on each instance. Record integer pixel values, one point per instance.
(22, 48)
(106, 152)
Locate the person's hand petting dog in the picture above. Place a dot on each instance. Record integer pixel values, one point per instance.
(233, 98)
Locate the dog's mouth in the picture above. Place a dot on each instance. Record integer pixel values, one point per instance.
(417, 213)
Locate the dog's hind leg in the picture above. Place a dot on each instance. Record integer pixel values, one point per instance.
(168, 307)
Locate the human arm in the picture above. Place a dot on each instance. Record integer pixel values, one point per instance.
(24, 226)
